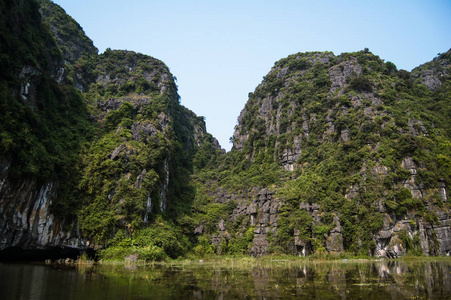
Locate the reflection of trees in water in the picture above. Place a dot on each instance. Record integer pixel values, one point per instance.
(416, 279)
(437, 278)
(314, 280)
(263, 280)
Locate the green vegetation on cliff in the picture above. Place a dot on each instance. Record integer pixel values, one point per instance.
(351, 134)
(68, 34)
(139, 165)
(331, 154)
(108, 130)
(43, 123)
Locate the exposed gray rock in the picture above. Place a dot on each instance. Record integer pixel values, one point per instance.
(313, 209)
(431, 81)
(443, 236)
(345, 135)
(283, 72)
(262, 212)
(341, 72)
(216, 240)
(334, 243)
(140, 179)
(199, 229)
(410, 183)
(25, 218)
(442, 190)
(430, 74)
(142, 131)
(416, 127)
(117, 151)
(260, 243)
(302, 247)
(291, 155)
(164, 186)
(30, 78)
(221, 225)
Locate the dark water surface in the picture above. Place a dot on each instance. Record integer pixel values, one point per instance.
(418, 279)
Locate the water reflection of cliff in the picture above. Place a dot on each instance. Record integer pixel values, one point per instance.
(371, 280)
(429, 279)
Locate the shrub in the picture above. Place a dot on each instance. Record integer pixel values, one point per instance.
(242, 243)
(361, 84)
(165, 236)
(147, 253)
(204, 247)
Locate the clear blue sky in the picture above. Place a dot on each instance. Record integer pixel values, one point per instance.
(219, 50)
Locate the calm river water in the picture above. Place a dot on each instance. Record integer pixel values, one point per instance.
(418, 279)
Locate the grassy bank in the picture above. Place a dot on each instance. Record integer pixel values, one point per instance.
(268, 261)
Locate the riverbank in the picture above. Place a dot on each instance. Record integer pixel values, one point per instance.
(269, 261)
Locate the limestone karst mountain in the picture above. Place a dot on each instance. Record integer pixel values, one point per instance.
(91, 144)
(331, 154)
(341, 154)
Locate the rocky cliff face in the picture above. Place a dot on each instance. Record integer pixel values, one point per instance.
(68, 34)
(331, 153)
(25, 61)
(31, 153)
(77, 168)
(148, 141)
(26, 220)
(434, 75)
(366, 164)
(262, 208)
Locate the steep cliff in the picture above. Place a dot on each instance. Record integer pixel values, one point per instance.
(331, 154)
(353, 153)
(69, 36)
(42, 126)
(91, 145)
(141, 162)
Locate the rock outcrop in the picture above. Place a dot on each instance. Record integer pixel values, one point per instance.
(28, 183)
(432, 74)
(57, 176)
(69, 36)
(26, 221)
(314, 108)
(341, 153)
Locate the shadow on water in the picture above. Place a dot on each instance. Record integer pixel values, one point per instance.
(53, 253)
(418, 279)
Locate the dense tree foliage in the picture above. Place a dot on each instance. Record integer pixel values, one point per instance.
(138, 174)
